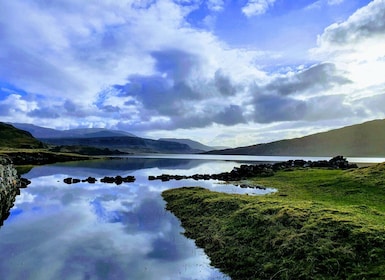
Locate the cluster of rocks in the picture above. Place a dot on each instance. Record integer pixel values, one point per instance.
(10, 184)
(337, 162)
(261, 170)
(117, 180)
(237, 174)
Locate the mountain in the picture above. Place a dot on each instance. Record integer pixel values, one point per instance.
(43, 132)
(105, 138)
(125, 144)
(193, 144)
(11, 137)
(360, 140)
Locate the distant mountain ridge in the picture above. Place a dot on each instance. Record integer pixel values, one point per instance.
(193, 144)
(111, 139)
(124, 143)
(360, 140)
(43, 132)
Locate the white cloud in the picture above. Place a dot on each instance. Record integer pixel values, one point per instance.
(142, 65)
(335, 2)
(215, 5)
(257, 7)
(357, 46)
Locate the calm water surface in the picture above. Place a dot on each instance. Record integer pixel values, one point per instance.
(104, 231)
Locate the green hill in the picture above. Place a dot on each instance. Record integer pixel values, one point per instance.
(361, 140)
(11, 137)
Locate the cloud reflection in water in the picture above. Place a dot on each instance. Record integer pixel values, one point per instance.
(99, 231)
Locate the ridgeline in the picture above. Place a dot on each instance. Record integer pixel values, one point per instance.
(360, 140)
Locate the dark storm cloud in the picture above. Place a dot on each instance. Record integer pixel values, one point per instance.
(319, 77)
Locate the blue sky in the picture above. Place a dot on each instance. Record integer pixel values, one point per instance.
(221, 72)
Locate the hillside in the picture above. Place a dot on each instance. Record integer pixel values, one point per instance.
(43, 132)
(101, 138)
(11, 137)
(193, 144)
(361, 140)
(124, 144)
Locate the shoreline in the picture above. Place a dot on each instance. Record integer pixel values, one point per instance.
(321, 224)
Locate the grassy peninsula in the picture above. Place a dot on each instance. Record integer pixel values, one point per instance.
(321, 224)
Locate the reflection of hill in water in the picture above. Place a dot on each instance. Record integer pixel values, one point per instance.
(112, 166)
(137, 163)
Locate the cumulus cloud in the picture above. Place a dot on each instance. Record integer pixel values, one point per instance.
(257, 7)
(142, 65)
(356, 45)
(367, 22)
(317, 78)
(273, 108)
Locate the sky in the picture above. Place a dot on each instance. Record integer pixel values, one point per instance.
(225, 73)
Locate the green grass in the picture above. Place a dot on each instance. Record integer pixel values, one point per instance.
(12, 137)
(321, 224)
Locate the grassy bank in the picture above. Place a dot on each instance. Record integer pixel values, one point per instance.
(321, 224)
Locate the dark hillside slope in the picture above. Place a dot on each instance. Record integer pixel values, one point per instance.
(124, 144)
(11, 137)
(193, 144)
(43, 132)
(361, 140)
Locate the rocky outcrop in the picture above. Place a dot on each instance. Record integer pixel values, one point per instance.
(10, 183)
(118, 180)
(261, 170)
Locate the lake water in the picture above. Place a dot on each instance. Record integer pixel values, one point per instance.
(105, 231)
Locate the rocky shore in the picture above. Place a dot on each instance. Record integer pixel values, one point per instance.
(39, 158)
(243, 172)
(10, 184)
(262, 170)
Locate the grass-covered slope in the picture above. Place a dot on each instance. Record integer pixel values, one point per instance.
(11, 137)
(361, 140)
(321, 224)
